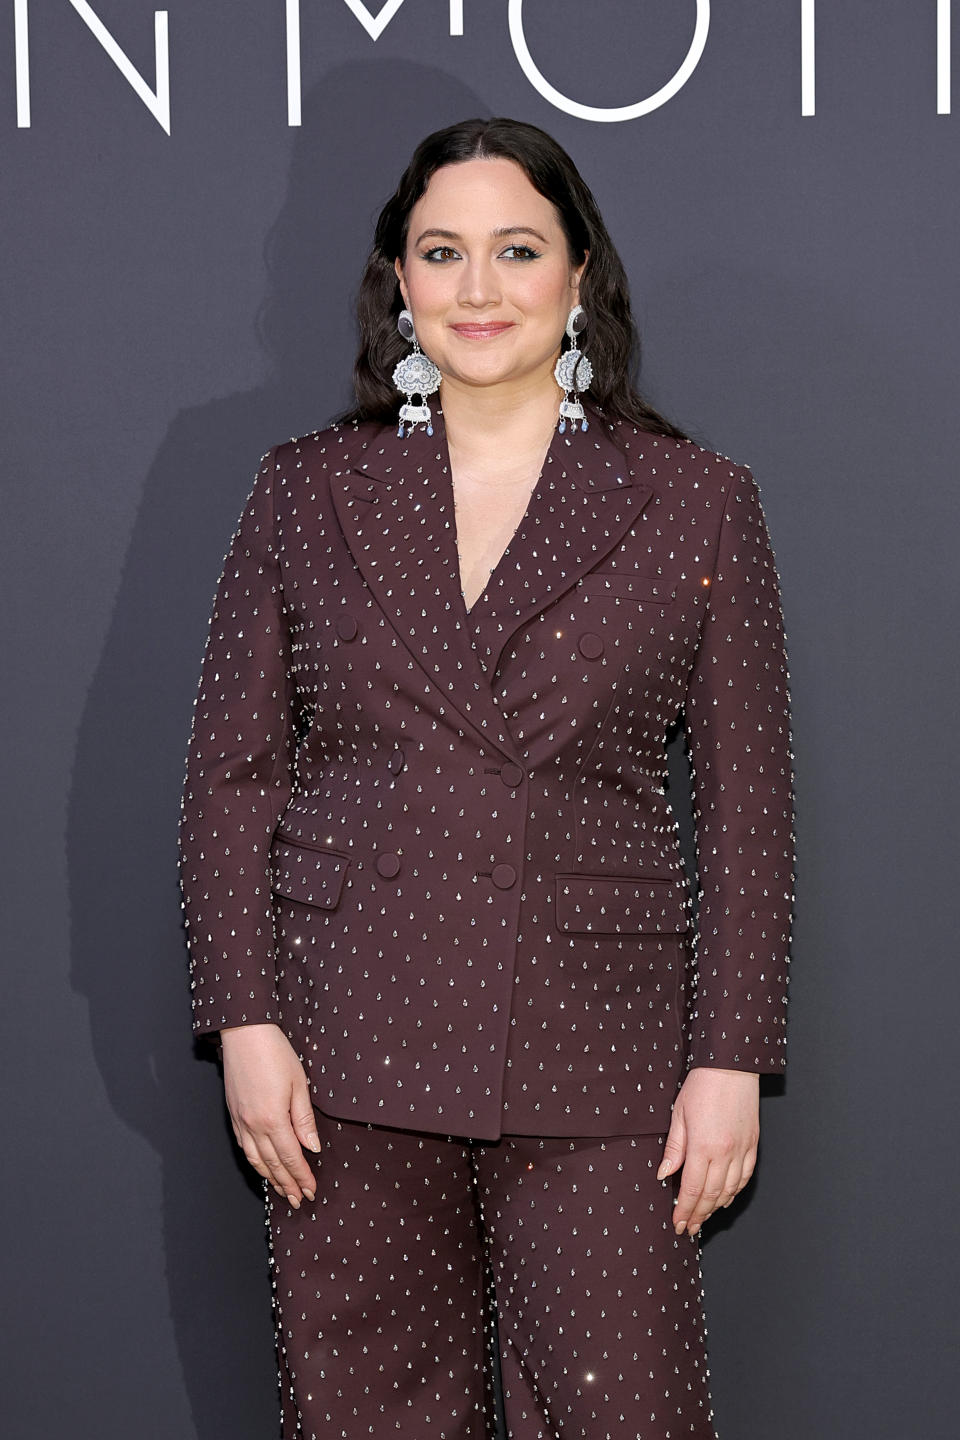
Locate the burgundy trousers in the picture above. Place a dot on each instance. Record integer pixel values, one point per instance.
(385, 1288)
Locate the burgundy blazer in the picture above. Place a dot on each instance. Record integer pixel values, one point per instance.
(434, 845)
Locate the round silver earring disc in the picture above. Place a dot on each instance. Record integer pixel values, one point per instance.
(573, 371)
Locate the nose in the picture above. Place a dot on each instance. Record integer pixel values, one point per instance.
(479, 285)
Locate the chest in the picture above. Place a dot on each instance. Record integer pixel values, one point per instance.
(487, 518)
(380, 657)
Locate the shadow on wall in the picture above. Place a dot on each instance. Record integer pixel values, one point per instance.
(128, 955)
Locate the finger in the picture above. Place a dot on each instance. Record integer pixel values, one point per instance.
(254, 1158)
(303, 1119)
(281, 1150)
(290, 1152)
(674, 1149)
(706, 1202)
(277, 1174)
(673, 1153)
(712, 1199)
(264, 1141)
(692, 1179)
(717, 1188)
(746, 1174)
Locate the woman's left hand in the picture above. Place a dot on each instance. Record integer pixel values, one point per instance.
(714, 1135)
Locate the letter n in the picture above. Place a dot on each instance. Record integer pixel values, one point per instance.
(158, 101)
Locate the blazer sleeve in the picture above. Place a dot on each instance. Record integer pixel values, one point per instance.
(239, 777)
(738, 725)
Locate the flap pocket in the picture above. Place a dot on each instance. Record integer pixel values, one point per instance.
(631, 584)
(620, 904)
(307, 873)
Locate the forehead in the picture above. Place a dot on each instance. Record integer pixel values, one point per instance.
(485, 194)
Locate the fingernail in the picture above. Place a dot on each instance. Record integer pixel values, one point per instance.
(294, 1201)
(310, 1195)
(679, 1229)
(314, 1145)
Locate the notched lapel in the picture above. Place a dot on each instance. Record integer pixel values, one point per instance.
(587, 498)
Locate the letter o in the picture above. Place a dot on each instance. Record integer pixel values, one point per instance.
(616, 112)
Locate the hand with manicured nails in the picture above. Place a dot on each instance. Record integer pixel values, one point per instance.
(714, 1135)
(269, 1103)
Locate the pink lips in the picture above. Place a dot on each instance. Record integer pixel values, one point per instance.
(481, 332)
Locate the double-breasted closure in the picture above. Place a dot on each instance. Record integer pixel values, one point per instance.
(435, 846)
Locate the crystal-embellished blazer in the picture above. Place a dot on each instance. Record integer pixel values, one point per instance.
(435, 846)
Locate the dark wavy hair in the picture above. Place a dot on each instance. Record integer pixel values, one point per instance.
(610, 338)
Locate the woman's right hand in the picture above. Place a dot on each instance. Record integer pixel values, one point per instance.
(269, 1103)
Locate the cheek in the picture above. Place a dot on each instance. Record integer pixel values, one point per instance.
(543, 291)
(429, 288)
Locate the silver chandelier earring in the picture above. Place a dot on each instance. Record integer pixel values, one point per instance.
(573, 372)
(416, 374)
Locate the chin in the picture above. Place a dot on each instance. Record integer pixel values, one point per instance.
(483, 376)
(490, 382)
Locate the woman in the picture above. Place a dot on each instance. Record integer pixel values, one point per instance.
(436, 906)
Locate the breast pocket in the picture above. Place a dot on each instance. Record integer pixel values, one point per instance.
(628, 585)
(307, 873)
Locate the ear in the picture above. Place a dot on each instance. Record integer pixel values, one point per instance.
(398, 267)
(576, 276)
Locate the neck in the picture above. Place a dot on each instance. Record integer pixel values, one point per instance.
(520, 417)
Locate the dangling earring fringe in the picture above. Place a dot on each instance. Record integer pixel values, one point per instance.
(416, 374)
(573, 372)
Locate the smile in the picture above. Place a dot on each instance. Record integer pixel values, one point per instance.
(481, 332)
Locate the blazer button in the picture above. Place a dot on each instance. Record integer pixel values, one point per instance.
(388, 864)
(347, 627)
(590, 646)
(511, 774)
(396, 761)
(503, 876)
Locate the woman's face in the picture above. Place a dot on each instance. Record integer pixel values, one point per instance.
(487, 275)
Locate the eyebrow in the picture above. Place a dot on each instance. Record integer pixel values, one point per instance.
(500, 233)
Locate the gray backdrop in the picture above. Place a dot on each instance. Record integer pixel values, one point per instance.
(173, 305)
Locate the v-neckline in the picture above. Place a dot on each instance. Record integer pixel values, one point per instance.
(532, 499)
(469, 609)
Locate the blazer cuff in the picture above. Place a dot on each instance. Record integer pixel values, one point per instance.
(762, 1055)
(210, 1017)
